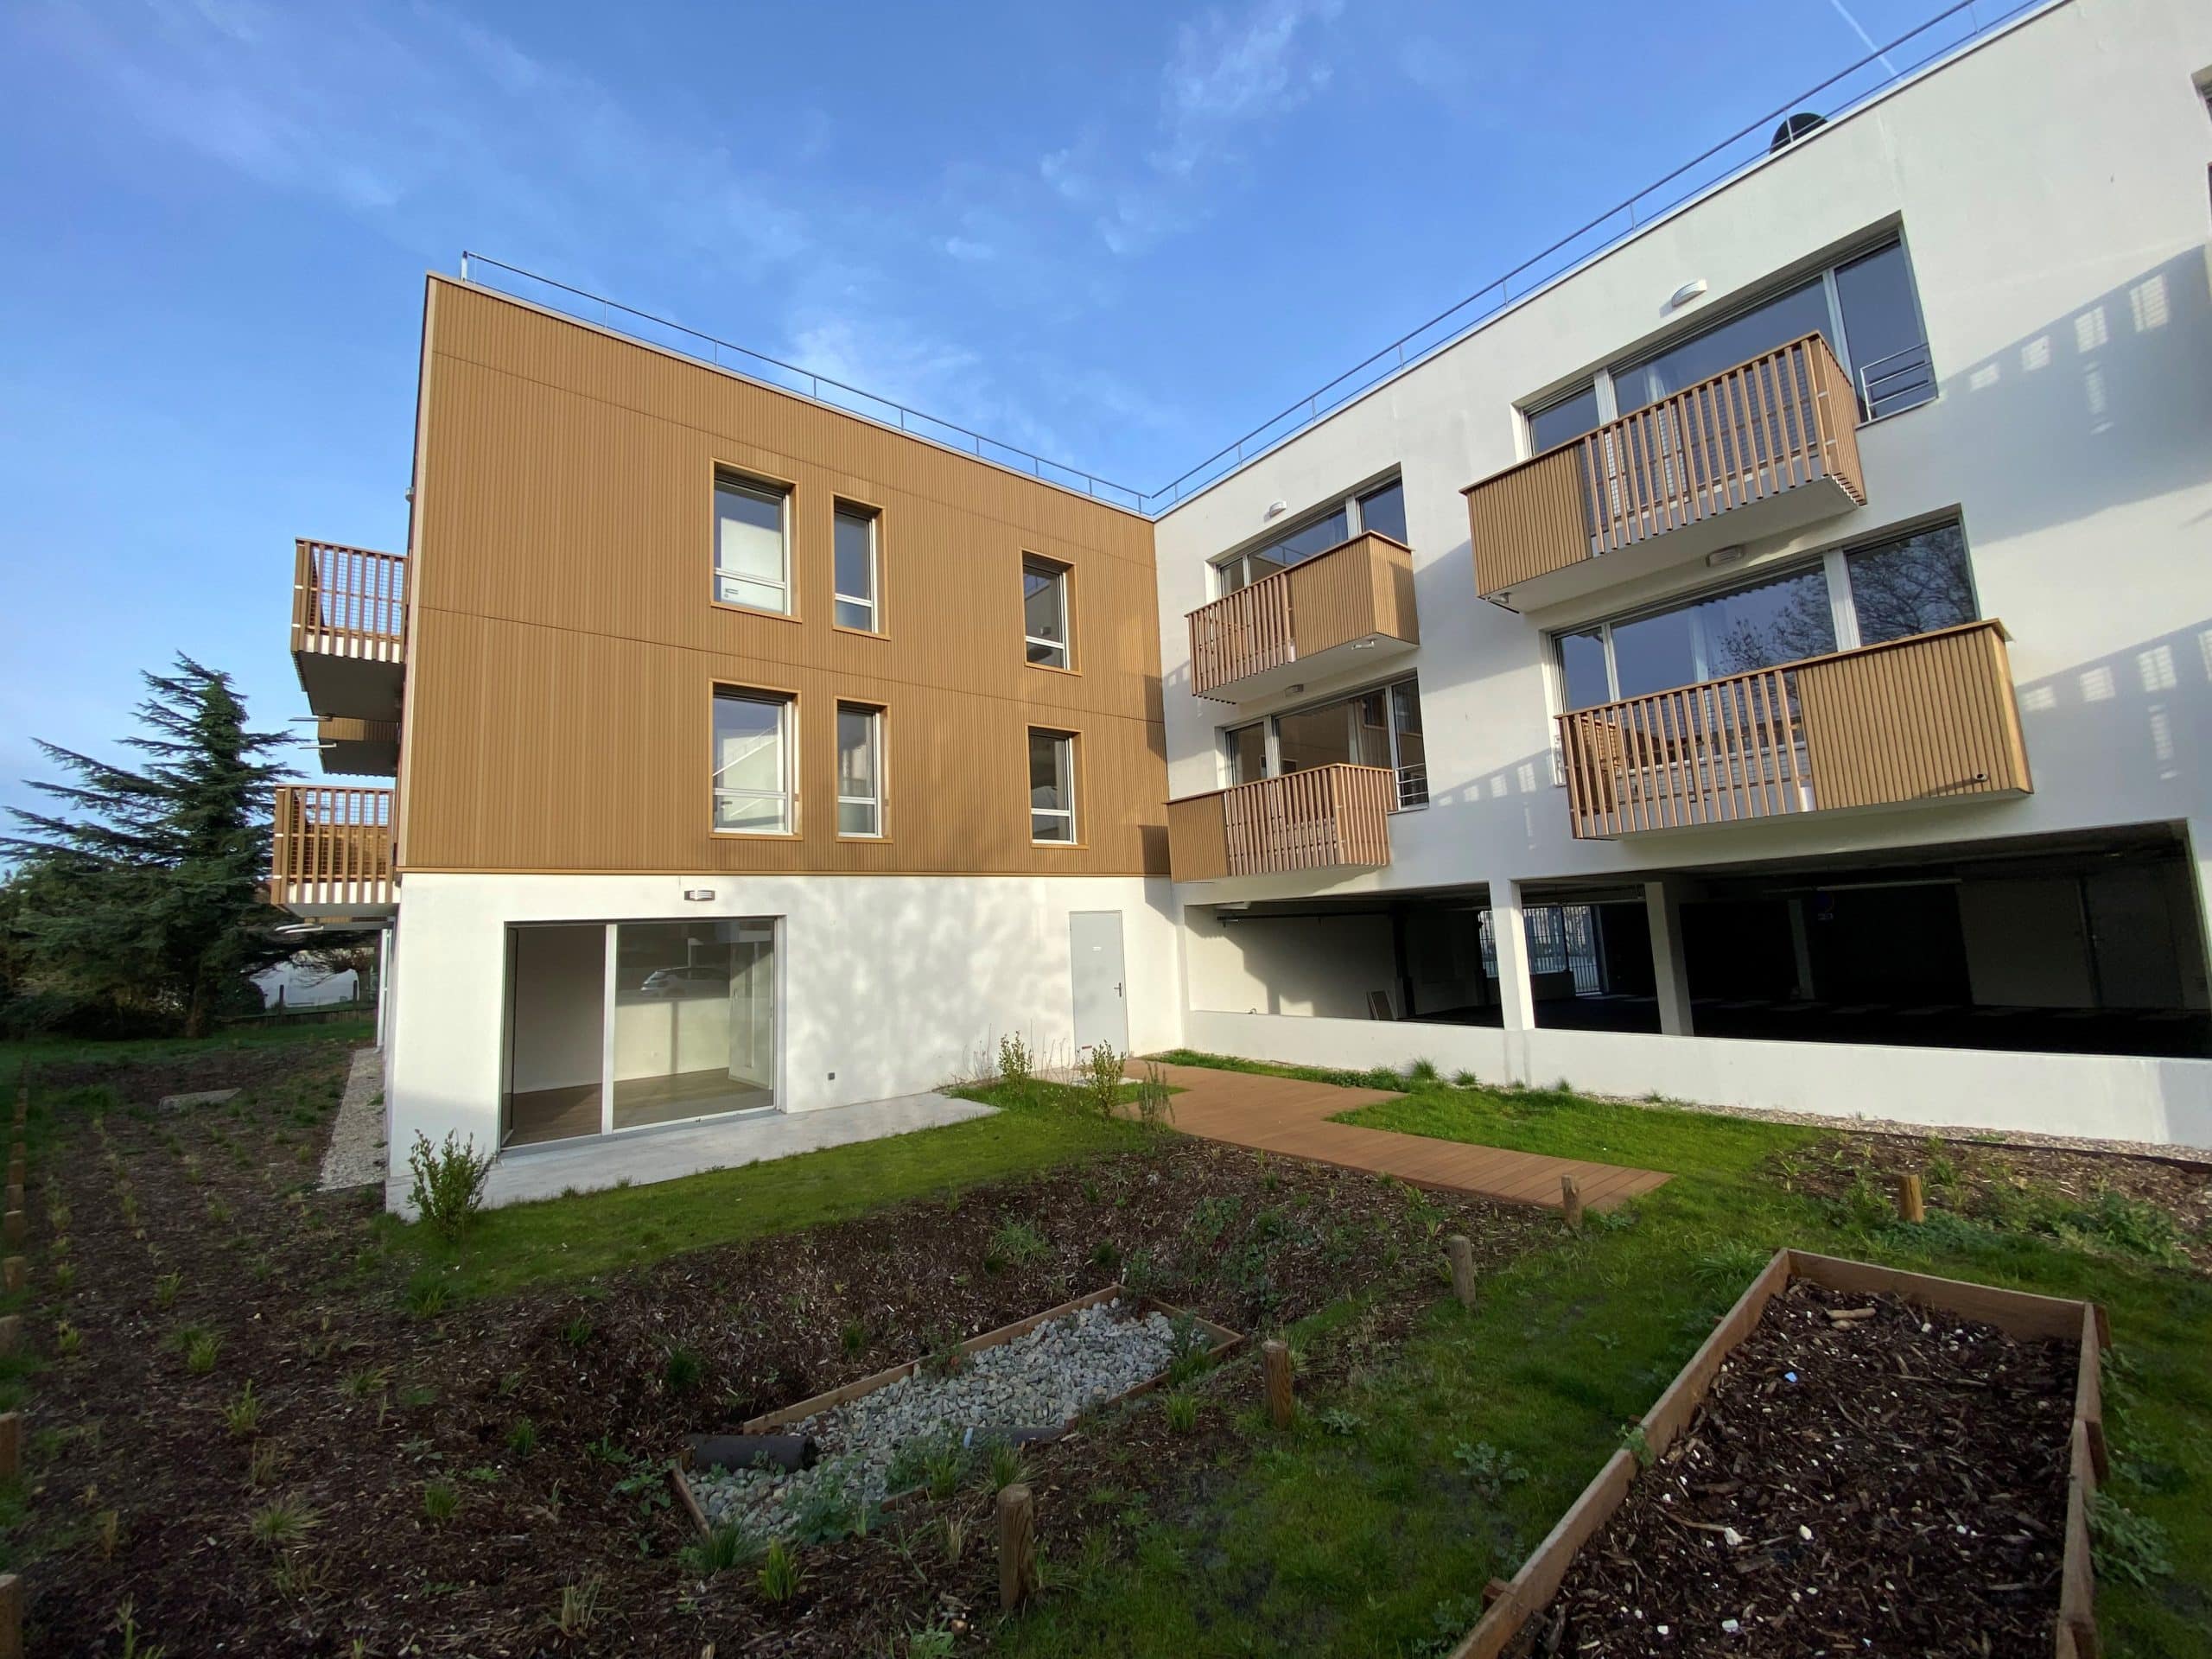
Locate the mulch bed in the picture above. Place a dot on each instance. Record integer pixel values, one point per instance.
(1892, 1485)
(364, 1405)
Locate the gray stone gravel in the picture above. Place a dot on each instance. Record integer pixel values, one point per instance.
(1041, 1380)
(355, 1156)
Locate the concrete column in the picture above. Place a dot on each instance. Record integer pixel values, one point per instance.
(1516, 997)
(1663, 909)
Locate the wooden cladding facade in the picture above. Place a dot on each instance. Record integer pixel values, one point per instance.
(1363, 586)
(1927, 718)
(1321, 818)
(1779, 421)
(564, 644)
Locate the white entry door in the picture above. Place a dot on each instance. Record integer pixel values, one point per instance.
(1101, 1008)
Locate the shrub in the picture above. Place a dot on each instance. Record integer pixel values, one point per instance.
(1017, 1064)
(199, 1350)
(579, 1604)
(1019, 1243)
(682, 1370)
(828, 1510)
(1004, 1467)
(440, 1499)
(427, 1296)
(243, 1414)
(1423, 1074)
(1155, 1104)
(731, 1545)
(284, 1522)
(1182, 1411)
(448, 1182)
(1102, 1080)
(780, 1575)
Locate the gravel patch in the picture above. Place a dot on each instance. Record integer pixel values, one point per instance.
(355, 1156)
(923, 1426)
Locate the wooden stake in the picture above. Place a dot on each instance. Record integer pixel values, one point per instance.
(1570, 1203)
(11, 1617)
(1274, 1360)
(15, 1273)
(1909, 1207)
(1017, 1546)
(14, 1195)
(12, 1445)
(15, 1227)
(11, 1333)
(1462, 1255)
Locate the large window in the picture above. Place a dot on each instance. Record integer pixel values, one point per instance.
(1381, 509)
(860, 770)
(1378, 727)
(752, 544)
(1866, 596)
(856, 574)
(753, 763)
(1044, 613)
(1052, 786)
(1864, 307)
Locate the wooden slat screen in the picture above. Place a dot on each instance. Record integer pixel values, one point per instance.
(1359, 587)
(1240, 634)
(349, 601)
(1777, 421)
(1928, 717)
(1312, 820)
(332, 845)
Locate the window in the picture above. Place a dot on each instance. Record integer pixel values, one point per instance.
(752, 544)
(1381, 509)
(1381, 728)
(856, 575)
(1867, 595)
(1051, 787)
(1044, 612)
(860, 770)
(1887, 348)
(1802, 310)
(753, 763)
(1564, 421)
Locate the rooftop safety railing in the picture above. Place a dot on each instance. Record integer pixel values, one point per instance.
(1949, 32)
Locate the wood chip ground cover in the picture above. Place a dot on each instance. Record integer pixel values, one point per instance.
(1894, 1483)
(427, 1479)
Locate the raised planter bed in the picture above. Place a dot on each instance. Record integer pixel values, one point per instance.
(1220, 1341)
(1764, 1407)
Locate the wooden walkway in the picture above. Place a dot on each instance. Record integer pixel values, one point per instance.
(1283, 1115)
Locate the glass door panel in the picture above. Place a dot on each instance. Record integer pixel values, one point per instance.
(694, 1019)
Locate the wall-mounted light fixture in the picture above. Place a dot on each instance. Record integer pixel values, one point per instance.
(1724, 556)
(1276, 509)
(699, 895)
(1693, 289)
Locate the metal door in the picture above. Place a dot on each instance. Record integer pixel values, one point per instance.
(1102, 1007)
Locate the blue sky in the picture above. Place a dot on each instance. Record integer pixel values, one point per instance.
(1119, 235)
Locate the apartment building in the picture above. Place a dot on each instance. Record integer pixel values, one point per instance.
(1765, 658)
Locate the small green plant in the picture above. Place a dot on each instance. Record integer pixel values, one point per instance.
(853, 1337)
(1101, 1084)
(1017, 1064)
(725, 1548)
(931, 1641)
(2125, 1545)
(166, 1289)
(579, 1606)
(1004, 1466)
(440, 1499)
(284, 1522)
(780, 1574)
(682, 1370)
(577, 1332)
(1154, 1101)
(363, 1383)
(829, 1510)
(107, 1527)
(64, 1275)
(67, 1338)
(1103, 1255)
(1335, 1420)
(219, 1211)
(261, 1465)
(448, 1184)
(522, 1437)
(199, 1351)
(1020, 1243)
(1423, 1074)
(1182, 1410)
(945, 1355)
(243, 1414)
(126, 1626)
(427, 1296)
(1864, 1204)
(1638, 1447)
(1488, 1468)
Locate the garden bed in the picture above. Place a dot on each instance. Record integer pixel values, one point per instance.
(1856, 1460)
(877, 1435)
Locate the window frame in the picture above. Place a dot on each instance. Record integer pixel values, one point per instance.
(847, 506)
(1065, 573)
(788, 735)
(1603, 380)
(1072, 812)
(879, 745)
(1346, 502)
(749, 481)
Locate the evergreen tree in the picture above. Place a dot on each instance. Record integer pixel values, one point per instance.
(148, 890)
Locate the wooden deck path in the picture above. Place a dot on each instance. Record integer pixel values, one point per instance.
(1283, 1115)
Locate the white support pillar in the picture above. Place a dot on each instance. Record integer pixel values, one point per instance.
(1516, 997)
(1662, 908)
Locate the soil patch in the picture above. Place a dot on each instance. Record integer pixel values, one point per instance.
(1893, 1484)
(426, 1478)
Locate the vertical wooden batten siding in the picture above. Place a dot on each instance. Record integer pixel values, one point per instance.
(564, 647)
(1360, 587)
(1929, 717)
(331, 845)
(1752, 431)
(1321, 818)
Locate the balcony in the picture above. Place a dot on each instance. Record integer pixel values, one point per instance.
(1329, 817)
(358, 748)
(349, 630)
(1308, 621)
(1926, 719)
(331, 854)
(1761, 449)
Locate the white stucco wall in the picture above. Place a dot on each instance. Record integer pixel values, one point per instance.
(2050, 188)
(1288, 964)
(894, 983)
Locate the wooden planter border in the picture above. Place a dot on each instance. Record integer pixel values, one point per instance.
(2018, 1313)
(1224, 1342)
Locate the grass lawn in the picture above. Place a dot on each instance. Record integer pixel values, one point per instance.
(1371, 1526)
(54, 1050)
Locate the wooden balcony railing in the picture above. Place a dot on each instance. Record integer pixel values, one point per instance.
(1930, 717)
(1318, 819)
(348, 601)
(1358, 589)
(332, 848)
(1749, 434)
